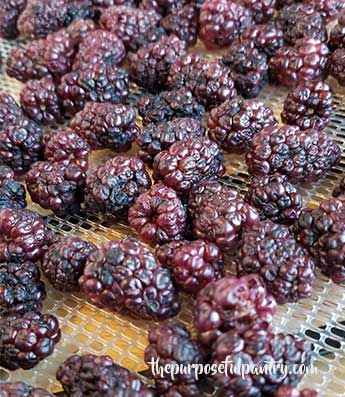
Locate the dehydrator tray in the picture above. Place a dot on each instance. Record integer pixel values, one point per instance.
(88, 329)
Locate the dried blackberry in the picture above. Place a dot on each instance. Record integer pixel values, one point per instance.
(9, 14)
(328, 8)
(124, 276)
(12, 194)
(155, 138)
(79, 29)
(28, 339)
(106, 125)
(340, 190)
(337, 35)
(173, 345)
(306, 60)
(222, 21)
(300, 155)
(290, 391)
(114, 186)
(158, 215)
(309, 105)
(10, 111)
(262, 10)
(20, 389)
(77, 9)
(63, 263)
(235, 122)
(275, 198)
(231, 303)
(6, 174)
(208, 79)
(149, 66)
(99, 376)
(336, 65)
(109, 3)
(163, 7)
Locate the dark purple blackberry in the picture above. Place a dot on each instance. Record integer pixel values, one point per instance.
(173, 345)
(306, 60)
(169, 105)
(309, 105)
(6, 174)
(155, 138)
(262, 10)
(9, 14)
(322, 232)
(235, 122)
(20, 389)
(340, 190)
(158, 215)
(67, 147)
(208, 79)
(64, 261)
(113, 187)
(12, 193)
(337, 36)
(257, 348)
(135, 27)
(336, 65)
(149, 67)
(303, 156)
(40, 102)
(77, 9)
(163, 7)
(193, 264)
(27, 339)
(282, 3)
(10, 111)
(290, 391)
(106, 125)
(222, 21)
(126, 277)
(275, 198)
(99, 376)
(109, 3)
(55, 186)
(95, 83)
(79, 29)
(231, 303)
(329, 9)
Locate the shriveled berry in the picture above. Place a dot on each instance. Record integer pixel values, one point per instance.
(10, 11)
(262, 10)
(337, 35)
(328, 8)
(12, 193)
(10, 111)
(340, 190)
(336, 65)
(20, 389)
(6, 174)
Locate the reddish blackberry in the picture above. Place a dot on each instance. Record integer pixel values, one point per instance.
(20, 389)
(10, 111)
(28, 339)
(275, 198)
(262, 10)
(337, 36)
(79, 29)
(9, 14)
(114, 186)
(99, 376)
(232, 303)
(63, 263)
(309, 105)
(193, 264)
(300, 155)
(12, 193)
(158, 215)
(172, 345)
(222, 21)
(149, 66)
(290, 391)
(155, 138)
(125, 276)
(336, 65)
(306, 60)
(106, 125)
(340, 190)
(208, 79)
(234, 123)
(55, 186)
(96, 83)
(67, 147)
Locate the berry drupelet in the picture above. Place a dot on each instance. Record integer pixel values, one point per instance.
(113, 187)
(28, 339)
(340, 190)
(262, 10)
(126, 277)
(9, 14)
(290, 391)
(10, 111)
(336, 65)
(158, 215)
(20, 389)
(235, 122)
(12, 193)
(337, 35)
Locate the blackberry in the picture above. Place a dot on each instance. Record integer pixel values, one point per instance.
(158, 215)
(12, 194)
(106, 125)
(77, 9)
(275, 198)
(193, 264)
(163, 7)
(231, 303)
(309, 105)
(109, 3)
(328, 8)
(168, 105)
(113, 187)
(290, 391)
(63, 263)
(28, 339)
(208, 79)
(20, 389)
(188, 162)
(300, 155)
(149, 66)
(79, 29)
(306, 60)
(337, 35)
(125, 276)
(262, 10)
(9, 14)
(155, 138)
(172, 345)
(22, 290)
(340, 190)
(222, 21)
(40, 102)
(96, 83)
(10, 111)
(235, 122)
(67, 147)
(99, 376)
(336, 66)
(55, 186)
(6, 174)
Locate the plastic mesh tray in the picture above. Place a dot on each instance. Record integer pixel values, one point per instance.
(85, 328)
